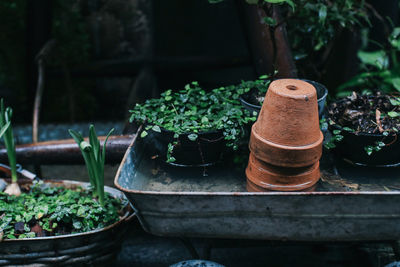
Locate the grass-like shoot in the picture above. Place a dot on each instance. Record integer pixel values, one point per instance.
(7, 133)
(94, 158)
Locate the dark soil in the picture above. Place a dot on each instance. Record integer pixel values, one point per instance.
(254, 97)
(365, 113)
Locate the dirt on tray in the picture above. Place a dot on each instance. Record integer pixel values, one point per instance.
(367, 113)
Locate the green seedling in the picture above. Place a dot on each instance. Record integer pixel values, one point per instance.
(94, 158)
(7, 134)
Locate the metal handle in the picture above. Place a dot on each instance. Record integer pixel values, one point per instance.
(20, 170)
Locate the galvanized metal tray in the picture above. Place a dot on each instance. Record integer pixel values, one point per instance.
(349, 203)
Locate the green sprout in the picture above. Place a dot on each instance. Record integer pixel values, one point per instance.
(94, 159)
(7, 133)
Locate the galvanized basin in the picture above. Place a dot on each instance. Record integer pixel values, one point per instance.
(97, 247)
(354, 206)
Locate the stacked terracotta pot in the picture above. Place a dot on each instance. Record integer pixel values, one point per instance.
(286, 142)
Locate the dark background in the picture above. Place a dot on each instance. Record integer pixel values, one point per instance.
(110, 54)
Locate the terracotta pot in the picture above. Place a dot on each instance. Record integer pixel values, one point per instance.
(254, 188)
(286, 142)
(272, 177)
(287, 132)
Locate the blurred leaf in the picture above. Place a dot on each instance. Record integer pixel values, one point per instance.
(322, 14)
(376, 58)
(270, 21)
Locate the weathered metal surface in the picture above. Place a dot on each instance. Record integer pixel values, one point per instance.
(182, 202)
(66, 151)
(90, 248)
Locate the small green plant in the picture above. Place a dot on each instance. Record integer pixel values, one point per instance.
(258, 88)
(7, 133)
(94, 158)
(193, 111)
(52, 211)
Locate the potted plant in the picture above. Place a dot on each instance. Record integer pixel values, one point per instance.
(191, 127)
(365, 125)
(365, 129)
(62, 222)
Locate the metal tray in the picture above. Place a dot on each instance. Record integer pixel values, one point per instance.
(359, 204)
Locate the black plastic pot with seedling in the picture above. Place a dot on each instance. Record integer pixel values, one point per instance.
(192, 127)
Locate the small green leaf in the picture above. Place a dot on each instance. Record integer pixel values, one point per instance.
(338, 137)
(347, 129)
(156, 128)
(143, 134)
(171, 159)
(393, 114)
(394, 102)
(192, 137)
(336, 132)
(377, 59)
(269, 21)
(322, 14)
(204, 120)
(369, 150)
(77, 225)
(381, 144)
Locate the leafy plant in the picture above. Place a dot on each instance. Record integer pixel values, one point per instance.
(257, 88)
(94, 158)
(7, 133)
(312, 28)
(192, 111)
(381, 69)
(52, 211)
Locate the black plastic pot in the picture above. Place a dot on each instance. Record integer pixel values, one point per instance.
(352, 149)
(322, 92)
(204, 151)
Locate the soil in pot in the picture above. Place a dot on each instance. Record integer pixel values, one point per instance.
(45, 209)
(366, 129)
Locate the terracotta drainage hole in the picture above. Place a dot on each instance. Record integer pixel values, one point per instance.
(291, 87)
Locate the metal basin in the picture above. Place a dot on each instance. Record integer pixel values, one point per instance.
(96, 247)
(358, 205)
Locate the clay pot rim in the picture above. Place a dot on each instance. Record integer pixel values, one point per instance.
(286, 147)
(211, 131)
(297, 187)
(306, 184)
(316, 165)
(258, 189)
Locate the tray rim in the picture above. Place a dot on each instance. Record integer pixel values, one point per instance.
(203, 193)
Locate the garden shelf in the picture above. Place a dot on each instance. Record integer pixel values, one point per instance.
(355, 204)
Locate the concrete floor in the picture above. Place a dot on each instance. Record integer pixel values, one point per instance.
(142, 249)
